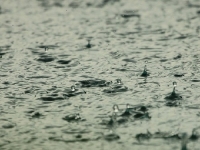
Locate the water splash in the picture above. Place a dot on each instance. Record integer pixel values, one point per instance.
(127, 111)
(116, 87)
(88, 45)
(195, 134)
(127, 106)
(115, 108)
(113, 120)
(184, 141)
(46, 49)
(119, 81)
(174, 88)
(77, 116)
(112, 123)
(73, 88)
(174, 95)
(145, 73)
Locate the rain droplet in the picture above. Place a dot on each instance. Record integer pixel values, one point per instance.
(73, 88)
(115, 108)
(174, 84)
(127, 106)
(145, 66)
(46, 49)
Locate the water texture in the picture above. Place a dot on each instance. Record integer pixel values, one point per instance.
(65, 64)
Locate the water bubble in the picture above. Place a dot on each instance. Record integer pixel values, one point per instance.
(119, 81)
(73, 88)
(174, 84)
(115, 108)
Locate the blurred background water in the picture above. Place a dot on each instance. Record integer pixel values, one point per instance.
(64, 64)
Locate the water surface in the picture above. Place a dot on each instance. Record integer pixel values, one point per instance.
(44, 51)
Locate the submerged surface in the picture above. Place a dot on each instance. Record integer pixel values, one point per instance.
(44, 51)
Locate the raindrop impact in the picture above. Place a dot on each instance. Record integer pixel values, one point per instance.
(119, 81)
(46, 49)
(173, 96)
(73, 88)
(145, 73)
(127, 111)
(174, 84)
(88, 45)
(115, 108)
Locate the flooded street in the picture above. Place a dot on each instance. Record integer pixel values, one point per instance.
(99, 75)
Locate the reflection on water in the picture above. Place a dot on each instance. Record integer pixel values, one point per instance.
(66, 64)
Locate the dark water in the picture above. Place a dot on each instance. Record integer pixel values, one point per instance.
(44, 51)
